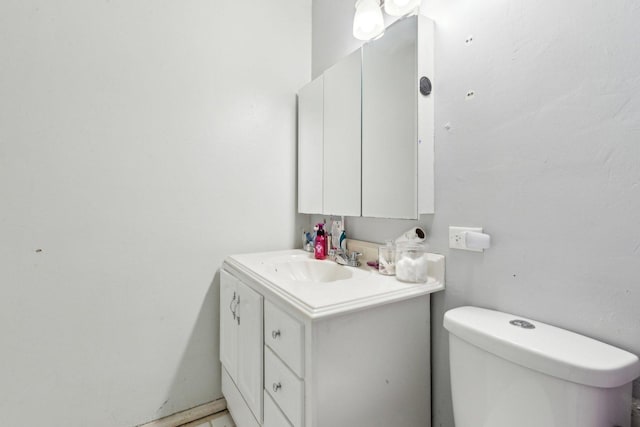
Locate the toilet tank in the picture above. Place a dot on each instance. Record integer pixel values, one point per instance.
(509, 371)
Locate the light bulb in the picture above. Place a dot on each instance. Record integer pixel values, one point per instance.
(367, 22)
(400, 7)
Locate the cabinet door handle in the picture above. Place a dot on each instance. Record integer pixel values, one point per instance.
(238, 310)
(276, 387)
(232, 306)
(275, 334)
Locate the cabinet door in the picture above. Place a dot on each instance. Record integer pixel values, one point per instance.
(389, 124)
(250, 348)
(228, 323)
(310, 140)
(342, 136)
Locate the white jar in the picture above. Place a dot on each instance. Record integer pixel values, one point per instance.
(411, 262)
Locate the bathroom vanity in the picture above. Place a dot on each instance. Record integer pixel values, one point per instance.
(308, 343)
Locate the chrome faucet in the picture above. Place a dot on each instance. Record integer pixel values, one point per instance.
(343, 258)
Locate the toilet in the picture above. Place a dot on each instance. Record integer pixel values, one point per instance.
(507, 371)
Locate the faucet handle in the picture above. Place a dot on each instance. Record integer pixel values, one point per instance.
(354, 256)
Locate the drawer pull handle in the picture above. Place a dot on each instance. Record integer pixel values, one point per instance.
(276, 387)
(275, 334)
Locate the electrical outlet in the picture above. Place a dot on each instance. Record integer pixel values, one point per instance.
(457, 239)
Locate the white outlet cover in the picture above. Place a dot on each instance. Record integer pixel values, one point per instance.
(457, 240)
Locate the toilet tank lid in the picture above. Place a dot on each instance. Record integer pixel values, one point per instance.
(545, 348)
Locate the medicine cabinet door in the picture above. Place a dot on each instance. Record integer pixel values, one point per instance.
(397, 121)
(389, 124)
(310, 147)
(342, 136)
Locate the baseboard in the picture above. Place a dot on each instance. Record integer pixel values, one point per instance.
(190, 415)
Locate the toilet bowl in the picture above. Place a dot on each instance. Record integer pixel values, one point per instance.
(507, 371)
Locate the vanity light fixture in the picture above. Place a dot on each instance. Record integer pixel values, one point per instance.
(400, 7)
(368, 22)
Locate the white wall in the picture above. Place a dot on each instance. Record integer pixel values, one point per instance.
(140, 143)
(545, 157)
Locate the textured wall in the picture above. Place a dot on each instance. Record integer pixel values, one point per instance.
(140, 143)
(545, 157)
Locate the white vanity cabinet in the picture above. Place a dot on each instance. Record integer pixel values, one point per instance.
(331, 358)
(241, 341)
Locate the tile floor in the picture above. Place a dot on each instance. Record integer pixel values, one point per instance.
(222, 419)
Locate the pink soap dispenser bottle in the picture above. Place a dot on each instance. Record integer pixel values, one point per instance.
(320, 248)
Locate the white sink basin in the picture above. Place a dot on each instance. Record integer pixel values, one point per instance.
(323, 288)
(311, 270)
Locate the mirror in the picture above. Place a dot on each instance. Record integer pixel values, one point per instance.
(329, 140)
(310, 140)
(342, 137)
(389, 128)
(375, 129)
(397, 122)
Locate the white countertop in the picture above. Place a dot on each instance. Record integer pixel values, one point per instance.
(365, 288)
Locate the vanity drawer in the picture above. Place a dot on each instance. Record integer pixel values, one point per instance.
(285, 336)
(273, 417)
(284, 387)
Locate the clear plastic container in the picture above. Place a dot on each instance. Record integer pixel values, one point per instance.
(387, 259)
(411, 262)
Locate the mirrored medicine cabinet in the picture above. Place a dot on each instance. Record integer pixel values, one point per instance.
(366, 132)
